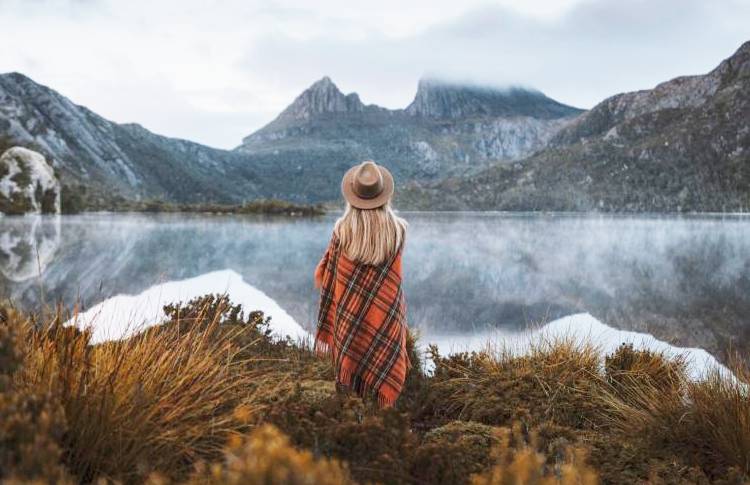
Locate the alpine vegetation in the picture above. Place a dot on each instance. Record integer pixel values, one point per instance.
(209, 396)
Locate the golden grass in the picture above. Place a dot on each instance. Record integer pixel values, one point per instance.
(190, 392)
(706, 422)
(720, 416)
(266, 457)
(553, 381)
(517, 460)
(160, 400)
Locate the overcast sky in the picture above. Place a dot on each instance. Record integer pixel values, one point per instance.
(214, 71)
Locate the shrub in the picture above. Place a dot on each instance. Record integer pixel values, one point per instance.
(518, 461)
(704, 423)
(160, 400)
(628, 368)
(32, 423)
(266, 457)
(376, 443)
(554, 381)
(450, 454)
(720, 419)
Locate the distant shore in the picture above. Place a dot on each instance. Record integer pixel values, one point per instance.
(260, 207)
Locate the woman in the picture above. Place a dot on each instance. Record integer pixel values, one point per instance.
(362, 315)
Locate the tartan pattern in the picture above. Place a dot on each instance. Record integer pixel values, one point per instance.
(362, 322)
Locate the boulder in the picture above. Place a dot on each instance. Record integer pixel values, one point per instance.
(28, 184)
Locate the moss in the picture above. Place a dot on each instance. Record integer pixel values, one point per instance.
(23, 177)
(453, 452)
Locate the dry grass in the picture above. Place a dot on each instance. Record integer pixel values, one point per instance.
(169, 399)
(32, 422)
(266, 457)
(705, 423)
(554, 381)
(720, 417)
(161, 400)
(517, 460)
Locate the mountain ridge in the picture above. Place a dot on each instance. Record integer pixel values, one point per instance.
(426, 140)
(682, 146)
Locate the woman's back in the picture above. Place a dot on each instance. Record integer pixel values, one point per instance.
(362, 314)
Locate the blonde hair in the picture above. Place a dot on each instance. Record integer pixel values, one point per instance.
(370, 236)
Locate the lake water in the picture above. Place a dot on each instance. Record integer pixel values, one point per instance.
(684, 280)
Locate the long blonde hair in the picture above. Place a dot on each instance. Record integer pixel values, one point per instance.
(370, 236)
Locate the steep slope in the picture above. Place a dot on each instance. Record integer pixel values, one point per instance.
(682, 146)
(125, 159)
(300, 156)
(449, 129)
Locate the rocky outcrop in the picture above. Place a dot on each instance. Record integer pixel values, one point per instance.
(299, 156)
(446, 100)
(449, 129)
(28, 184)
(322, 97)
(123, 159)
(682, 146)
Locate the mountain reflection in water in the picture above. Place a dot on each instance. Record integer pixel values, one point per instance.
(685, 280)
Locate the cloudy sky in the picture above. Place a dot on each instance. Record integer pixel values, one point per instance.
(214, 71)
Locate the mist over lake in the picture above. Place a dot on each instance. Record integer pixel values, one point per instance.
(684, 279)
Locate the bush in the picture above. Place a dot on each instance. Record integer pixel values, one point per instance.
(704, 423)
(32, 423)
(629, 368)
(518, 461)
(554, 382)
(160, 400)
(377, 444)
(266, 457)
(451, 453)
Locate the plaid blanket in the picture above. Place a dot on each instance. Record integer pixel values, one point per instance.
(362, 323)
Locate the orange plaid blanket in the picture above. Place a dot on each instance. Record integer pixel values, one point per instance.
(362, 323)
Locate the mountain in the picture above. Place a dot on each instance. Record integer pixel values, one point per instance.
(681, 146)
(448, 129)
(300, 156)
(125, 159)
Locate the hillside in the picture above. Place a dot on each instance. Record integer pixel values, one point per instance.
(682, 146)
(210, 397)
(448, 129)
(300, 156)
(125, 159)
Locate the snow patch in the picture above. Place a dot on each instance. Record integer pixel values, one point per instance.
(581, 328)
(124, 315)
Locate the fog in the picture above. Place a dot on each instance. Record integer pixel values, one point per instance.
(685, 280)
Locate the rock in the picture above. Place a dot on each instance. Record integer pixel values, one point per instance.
(300, 156)
(27, 246)
(442, 99)
(449, 129)
(28, 184)
(681, 146)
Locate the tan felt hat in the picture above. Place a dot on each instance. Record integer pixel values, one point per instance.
(367, 185)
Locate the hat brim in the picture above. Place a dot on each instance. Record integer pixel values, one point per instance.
(347, 189)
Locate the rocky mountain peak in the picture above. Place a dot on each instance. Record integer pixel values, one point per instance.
(322, 97)
(438, 98)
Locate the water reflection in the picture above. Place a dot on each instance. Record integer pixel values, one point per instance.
(28, 246)
(684, 280)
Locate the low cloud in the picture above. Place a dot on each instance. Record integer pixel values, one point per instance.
(214, 74)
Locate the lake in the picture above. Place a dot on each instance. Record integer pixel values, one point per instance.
(683, 279)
